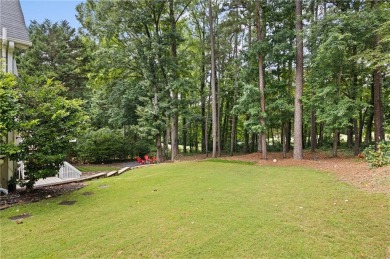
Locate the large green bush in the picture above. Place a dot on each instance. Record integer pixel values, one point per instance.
(379, 156)
(102, 146)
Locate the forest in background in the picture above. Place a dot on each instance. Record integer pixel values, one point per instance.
(220, 76)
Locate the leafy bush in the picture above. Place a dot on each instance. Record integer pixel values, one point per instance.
(102, 146)
(380, 156)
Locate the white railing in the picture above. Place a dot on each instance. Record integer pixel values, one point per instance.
(68, 171)
(21, 170)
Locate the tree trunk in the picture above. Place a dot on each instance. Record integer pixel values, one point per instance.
(246, 141)
(184, 135)
(313, 131)
(175, 115)
(260, 38)
(213, 87)
(159, 148)
(379, 134)
(288, 136)
(321, 134)
(298, 150)
(335, 142)
(284, 139)
(203, 103)
(369, 123)
(235, 94)
(166, 142)
(357, 137)
(206, 127)
(378, 110)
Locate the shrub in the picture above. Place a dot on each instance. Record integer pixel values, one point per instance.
(378, 157)
(102, 146)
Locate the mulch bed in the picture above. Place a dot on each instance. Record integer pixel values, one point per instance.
(34, 195)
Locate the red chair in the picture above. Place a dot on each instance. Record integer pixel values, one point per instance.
(147, 160)
(140, 160)
(153, 160)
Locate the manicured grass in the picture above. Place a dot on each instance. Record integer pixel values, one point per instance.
(205, 210)
(97, 168)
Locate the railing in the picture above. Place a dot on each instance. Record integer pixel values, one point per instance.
(68, 171)
(21, 170)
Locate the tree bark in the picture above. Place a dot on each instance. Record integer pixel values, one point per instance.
(159, 148)
(378, 109)
(313, 132)
(357, 137)
(260, 38)
(184, 129)
(234, 117)
(175, 115)
(335, 142)
(298, 150)
(213, 87)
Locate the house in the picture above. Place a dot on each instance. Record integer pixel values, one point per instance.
(13, 35)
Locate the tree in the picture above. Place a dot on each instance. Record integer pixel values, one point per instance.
(8, 103)
(9, 109)
(57, 53)
(260, 28)
(213, 86)
(47, 121)
(298, 150)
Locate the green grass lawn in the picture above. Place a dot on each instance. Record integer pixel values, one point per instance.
(205, 210)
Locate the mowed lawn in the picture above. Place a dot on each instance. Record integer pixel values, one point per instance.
(205, 210)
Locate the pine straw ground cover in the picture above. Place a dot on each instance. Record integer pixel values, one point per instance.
(204, 210)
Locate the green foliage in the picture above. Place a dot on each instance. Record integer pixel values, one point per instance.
(248, 104)
(56, 53)
(102, 146)
(47, 122)
(8, 103)
(379, 156)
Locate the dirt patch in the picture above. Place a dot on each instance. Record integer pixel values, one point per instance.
(42, 193)
(22, 216)
(352, 170)
(87, 193)
(67, 203)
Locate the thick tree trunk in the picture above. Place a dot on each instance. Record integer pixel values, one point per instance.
(175, 115)
(213, 86)
(378, 110)
(379, 134)
(260, 38)
(298, 151)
